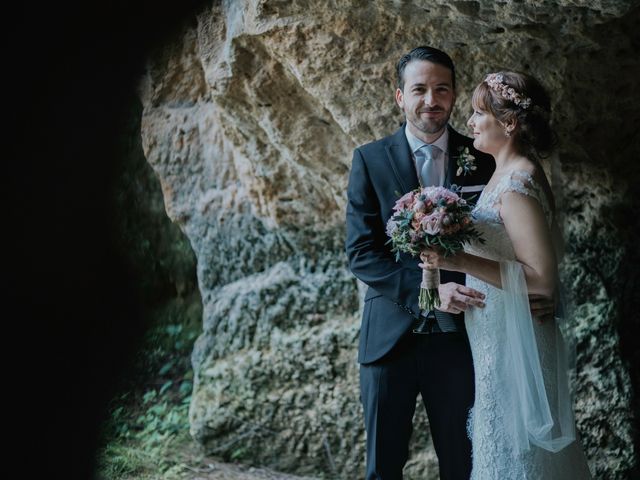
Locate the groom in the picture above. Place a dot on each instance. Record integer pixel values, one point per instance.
(397, 364)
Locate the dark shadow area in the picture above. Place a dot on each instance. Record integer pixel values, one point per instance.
(628, 318)
(606, 80)
(625, 217)
(79, 308)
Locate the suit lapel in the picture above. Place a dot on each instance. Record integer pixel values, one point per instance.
(401, 161)
(454, 144)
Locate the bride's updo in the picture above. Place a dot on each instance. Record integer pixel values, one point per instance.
(508, 95)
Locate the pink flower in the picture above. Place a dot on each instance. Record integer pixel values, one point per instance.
(433, 223)
(405, 201)
(419, 206)
(435, 194)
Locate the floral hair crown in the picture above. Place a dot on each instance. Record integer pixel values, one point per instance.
(496, 83)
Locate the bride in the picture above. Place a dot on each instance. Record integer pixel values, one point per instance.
(522, 424)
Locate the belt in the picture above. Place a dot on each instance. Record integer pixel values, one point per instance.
(436, 321)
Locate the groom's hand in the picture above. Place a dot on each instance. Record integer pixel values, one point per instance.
(542, 308)
(456, 298)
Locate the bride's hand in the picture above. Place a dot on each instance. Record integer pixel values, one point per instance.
(433, 258)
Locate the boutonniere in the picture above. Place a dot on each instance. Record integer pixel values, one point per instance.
(466, 162)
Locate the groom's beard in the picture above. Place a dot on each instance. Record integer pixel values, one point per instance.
(430, 125)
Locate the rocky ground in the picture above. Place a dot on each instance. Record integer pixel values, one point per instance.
(224, 471)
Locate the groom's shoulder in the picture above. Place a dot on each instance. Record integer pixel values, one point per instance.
(377, 147)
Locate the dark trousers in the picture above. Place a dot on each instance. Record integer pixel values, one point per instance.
(440, 368)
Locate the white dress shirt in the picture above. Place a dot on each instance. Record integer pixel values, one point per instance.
(442, 159)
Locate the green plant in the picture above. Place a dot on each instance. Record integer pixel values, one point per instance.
(148, 426)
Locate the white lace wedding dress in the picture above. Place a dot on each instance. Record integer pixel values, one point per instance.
(506, 424)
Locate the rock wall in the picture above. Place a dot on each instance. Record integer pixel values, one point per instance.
(250, 117)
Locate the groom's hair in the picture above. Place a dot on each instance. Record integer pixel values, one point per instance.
(429, 54)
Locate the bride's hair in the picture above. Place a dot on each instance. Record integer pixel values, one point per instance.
(509, 95)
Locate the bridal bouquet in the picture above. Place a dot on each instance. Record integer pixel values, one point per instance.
(431, 217)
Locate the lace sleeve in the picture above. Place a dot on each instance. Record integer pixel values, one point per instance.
(521, 181)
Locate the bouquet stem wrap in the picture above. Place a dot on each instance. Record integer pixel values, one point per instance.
(429, 297)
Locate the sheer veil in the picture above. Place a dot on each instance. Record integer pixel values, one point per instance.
(538, 371)
(542, 362)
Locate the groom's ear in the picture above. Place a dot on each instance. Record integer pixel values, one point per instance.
(400, 98)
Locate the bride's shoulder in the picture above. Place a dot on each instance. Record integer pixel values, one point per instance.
(528, 178)
(525, 173)
(524, 168)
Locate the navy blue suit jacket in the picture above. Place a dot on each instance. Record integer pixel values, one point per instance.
(381, 172)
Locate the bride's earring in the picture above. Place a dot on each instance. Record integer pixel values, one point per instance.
(508, 130)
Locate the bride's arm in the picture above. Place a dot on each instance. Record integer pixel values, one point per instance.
(526, 226)
(530, 236)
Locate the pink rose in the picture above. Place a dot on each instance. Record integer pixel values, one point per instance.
(433, 223)
(405, 201)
